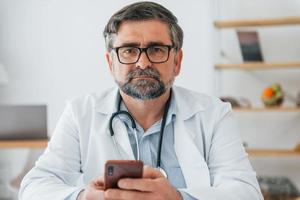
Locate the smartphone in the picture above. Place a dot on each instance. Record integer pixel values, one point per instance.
(117, 169)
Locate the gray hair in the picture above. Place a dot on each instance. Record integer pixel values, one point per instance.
(143, 11)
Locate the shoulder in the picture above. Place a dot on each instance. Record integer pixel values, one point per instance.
(91, 101)
(191, 102)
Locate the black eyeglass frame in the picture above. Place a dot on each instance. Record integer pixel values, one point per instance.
(170, 47)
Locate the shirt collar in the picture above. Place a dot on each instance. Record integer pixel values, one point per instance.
(170, 117)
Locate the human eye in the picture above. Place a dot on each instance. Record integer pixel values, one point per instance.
(158, 49)
(128, 51)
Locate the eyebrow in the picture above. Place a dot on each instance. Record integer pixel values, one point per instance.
(155, 43)
(129, 44)
(136, 44)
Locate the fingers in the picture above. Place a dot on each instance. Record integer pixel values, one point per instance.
(148, 183)
(91, 193)
(150, 172)
(97, 183)
(126, 194)
(145, 185)
(94, 190)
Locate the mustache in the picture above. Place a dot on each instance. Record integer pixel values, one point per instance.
(149, 72)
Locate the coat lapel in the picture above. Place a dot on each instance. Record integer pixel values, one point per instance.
(191, 161)
(107, 106)
(122, 139)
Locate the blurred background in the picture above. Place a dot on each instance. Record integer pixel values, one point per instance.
(51, 51)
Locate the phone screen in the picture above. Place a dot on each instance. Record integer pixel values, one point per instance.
(117, 169)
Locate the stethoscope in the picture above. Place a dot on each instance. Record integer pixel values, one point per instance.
(133, 125)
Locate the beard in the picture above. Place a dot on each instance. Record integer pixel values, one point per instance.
(144, 89)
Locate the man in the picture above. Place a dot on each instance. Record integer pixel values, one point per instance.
(201, 151)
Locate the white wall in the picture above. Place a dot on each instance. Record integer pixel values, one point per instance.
(54, 50)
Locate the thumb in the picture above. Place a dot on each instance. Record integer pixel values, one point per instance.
(150, 172)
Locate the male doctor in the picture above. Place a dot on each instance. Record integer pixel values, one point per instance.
(201, 153)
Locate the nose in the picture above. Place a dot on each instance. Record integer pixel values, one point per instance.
(144, 61)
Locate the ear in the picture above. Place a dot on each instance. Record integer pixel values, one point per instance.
(109, 61)
(177, 60)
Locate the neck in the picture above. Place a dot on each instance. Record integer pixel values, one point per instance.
(146, 112)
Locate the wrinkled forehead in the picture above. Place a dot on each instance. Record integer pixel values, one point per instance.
(142, 33)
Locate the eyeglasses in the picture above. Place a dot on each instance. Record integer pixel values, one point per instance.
(155, 53)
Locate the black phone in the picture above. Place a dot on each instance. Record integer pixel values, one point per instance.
(117, 169)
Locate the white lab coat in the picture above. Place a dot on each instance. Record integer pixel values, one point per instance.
(207, 145)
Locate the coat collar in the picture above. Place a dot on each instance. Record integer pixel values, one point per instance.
(184, 105)
(107, 103)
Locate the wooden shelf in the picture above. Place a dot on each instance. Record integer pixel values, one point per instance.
(257, 22)
(272, 153)
(275, 152)
(23, 143)
(259, 65)
(263, 109)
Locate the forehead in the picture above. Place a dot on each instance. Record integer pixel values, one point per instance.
(143, 33)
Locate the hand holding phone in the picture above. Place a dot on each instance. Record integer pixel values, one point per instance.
(117, 169)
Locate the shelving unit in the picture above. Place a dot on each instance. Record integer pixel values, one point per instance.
(23, 143)
(247, 66)
(252, 66)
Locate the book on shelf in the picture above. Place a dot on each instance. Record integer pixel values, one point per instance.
(250, 46)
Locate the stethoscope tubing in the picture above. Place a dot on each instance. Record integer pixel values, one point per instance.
(120, 112)
(133, 124)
